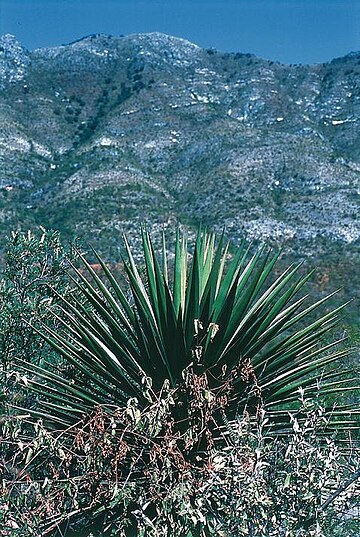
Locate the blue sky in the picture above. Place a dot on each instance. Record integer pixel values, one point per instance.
(289, 31)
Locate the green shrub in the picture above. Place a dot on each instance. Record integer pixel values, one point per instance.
(34, 264)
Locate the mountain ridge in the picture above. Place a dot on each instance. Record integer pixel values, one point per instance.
(100, 35)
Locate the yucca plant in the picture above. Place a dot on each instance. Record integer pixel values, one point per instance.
(222, 325)
(154, 376)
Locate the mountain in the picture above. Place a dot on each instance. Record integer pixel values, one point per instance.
(103, 133)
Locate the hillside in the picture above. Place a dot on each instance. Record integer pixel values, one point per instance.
(101, 134)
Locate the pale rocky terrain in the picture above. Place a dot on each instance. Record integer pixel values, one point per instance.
(107, 132)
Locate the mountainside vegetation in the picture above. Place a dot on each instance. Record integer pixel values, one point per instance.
(101, 134)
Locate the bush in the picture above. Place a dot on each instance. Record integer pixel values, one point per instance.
(191, 403)
(251, 486)
(35, 264)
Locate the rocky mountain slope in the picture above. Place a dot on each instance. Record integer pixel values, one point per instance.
(101, 134)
